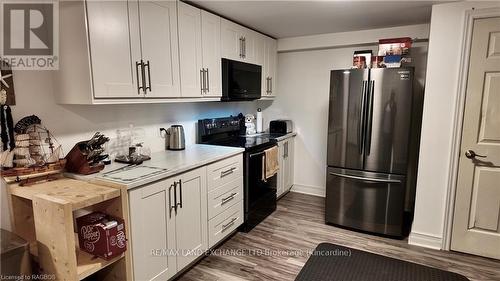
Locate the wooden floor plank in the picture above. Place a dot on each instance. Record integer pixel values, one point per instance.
(298, 224)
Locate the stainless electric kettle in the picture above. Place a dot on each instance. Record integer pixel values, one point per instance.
(174, 137)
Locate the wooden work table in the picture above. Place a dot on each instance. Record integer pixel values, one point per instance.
(43, 214)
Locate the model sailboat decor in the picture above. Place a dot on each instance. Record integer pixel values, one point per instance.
(36, 153)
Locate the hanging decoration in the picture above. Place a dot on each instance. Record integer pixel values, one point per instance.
(7, 84)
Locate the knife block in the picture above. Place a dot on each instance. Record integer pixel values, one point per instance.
(76, 162)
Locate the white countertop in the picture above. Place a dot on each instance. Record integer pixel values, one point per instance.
(174, 162)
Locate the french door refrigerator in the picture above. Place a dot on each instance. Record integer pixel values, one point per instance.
(368, 144)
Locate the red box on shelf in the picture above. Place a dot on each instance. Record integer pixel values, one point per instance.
(101, 235)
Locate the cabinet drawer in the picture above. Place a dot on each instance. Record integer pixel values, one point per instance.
(225, 171)
(225, 196)
(225, 223)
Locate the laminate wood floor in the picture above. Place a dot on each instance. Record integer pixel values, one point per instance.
(296, 227)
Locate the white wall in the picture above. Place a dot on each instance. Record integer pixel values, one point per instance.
(303, 87)
(73, 123)
(445, 51)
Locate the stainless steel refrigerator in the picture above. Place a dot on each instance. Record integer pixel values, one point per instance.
(369, 127)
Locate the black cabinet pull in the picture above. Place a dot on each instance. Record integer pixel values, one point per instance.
(170, 199)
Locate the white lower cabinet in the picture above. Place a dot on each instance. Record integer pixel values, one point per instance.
(175, 221)
(286, 172)
(168, 224)
(153, 231)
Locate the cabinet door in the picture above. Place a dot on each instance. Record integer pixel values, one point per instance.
(190, 50)
(249, 42)
(211, 48)
(192, 216)
(270, 69)
(260, 59)
(114, 47)
(159, 42)
(231, 40)
(152, 226)
(281, 161)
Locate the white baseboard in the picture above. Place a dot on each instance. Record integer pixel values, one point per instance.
(307, 189)
(425, 240)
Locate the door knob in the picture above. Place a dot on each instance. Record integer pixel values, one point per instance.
(471, 154)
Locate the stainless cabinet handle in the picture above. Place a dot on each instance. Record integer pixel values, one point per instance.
(286, 149)
(202, 80)
(225, 226)
(180, 194)
(148, 65)
(241, 47)
(271, 85)
(208, 81)
(227, 172)
(244, 47)
(170, 207)
(139, 87)
(471, 154)
(267, 85)
(229, 198)
(365, 179)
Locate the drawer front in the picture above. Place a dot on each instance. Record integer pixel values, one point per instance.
(220, 199)
(225, 171)
(225, 223)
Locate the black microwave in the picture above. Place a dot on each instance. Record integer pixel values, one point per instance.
(240, 81)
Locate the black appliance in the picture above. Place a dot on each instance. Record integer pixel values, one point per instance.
(240, 81)
(280, 126)
(369, 128)
(259, 196)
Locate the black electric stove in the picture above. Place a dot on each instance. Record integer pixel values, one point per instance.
(259, 196)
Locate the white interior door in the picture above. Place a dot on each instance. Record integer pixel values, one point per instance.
(211, 48)
(159, 42)
(476, 224)
(114, 48)
(190, 50)
(153, 231)
(192, 216)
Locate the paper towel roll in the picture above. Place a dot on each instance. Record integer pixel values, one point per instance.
(259, 121)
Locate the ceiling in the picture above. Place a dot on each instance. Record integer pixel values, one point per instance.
(296, 18)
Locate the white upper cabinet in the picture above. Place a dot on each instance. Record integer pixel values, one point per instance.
(199, 51)
(127, 52)
(231, 40)
(238, 42)
(114, 48)
(211, 47)
(140, 51)
(159, 44)
(269, 68)
(190, 52)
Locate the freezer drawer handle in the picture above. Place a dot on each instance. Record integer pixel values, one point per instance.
(225, 226)
(365, 179)
(229, 198)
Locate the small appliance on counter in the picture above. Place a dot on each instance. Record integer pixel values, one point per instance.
(281, 126)
(174, 137)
